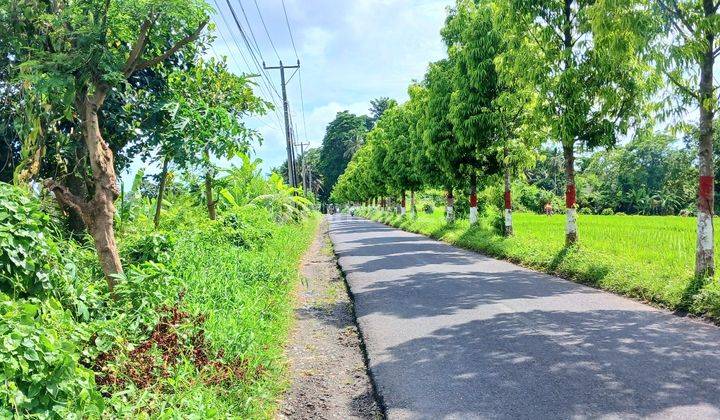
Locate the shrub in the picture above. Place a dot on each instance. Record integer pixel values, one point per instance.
(607, 212)
(428, 208)
(30, 260)
(585, 210)
(143, 247)
(249, 227)
(39, 361)
(707, 300)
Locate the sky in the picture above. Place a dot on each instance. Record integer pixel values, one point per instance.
(350, 52)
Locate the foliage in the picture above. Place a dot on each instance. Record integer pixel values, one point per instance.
(40, 362)
(30, 260)
(345, 128)
(69, 350)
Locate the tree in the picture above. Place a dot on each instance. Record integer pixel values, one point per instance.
(439, 137)
(587, 73)
(687, 52)
(473, 45)
(309, 161)
(333, 156)
(378, 106)
(208, 104)
(91, 47)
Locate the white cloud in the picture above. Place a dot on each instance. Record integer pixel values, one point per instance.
(351, 52)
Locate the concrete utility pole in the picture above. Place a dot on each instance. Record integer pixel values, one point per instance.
(292, 178)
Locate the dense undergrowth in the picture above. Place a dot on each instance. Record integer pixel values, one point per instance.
(194, 328)
(644, 257)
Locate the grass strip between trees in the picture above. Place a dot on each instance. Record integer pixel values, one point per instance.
(245, 299)
(644, 257)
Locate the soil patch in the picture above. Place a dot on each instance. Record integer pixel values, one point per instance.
(329, 378)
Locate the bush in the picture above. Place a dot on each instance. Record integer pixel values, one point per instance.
(248, 227)
(39, 361)
(585, 210)
(707, 300)
(607, 212)
(31, 263)
(144, 247)
(428, 208)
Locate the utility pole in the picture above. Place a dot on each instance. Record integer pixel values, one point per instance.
(288, 136)
(303, 166)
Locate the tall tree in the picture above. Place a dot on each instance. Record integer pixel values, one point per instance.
(205, 108)
(378, 106)
(91, 47)
(587, 73)
(687, 54)
(333, 155)
(441, 143)
(473, 43)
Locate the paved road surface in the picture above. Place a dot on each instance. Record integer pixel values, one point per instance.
(454, 334)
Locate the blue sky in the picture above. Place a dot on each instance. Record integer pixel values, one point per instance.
(351, 51)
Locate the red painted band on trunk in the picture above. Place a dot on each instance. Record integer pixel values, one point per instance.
(508, 200)
(473, 200)
(570, 196)
(705, 189)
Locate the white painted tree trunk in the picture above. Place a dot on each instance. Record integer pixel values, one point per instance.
(508, 196)
(449, 208)
(571, 224)
(473, 198)
(571, 227)
(508, 222)
(473, 215)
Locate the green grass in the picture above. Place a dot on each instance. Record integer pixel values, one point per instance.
(646, 257)
(245, 297)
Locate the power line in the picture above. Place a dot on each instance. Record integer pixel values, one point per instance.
(266, 29)
(302, 104)
(266, 84)
(287, 22)
(249, 47)
(252, 34)
(292, 41)
(288, 125)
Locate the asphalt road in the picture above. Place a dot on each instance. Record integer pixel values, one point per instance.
(454, 334)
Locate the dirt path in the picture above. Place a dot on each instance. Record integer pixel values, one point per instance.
(328, 373)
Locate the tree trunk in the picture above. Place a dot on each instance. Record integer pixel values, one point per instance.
(413, 210)
(473, 198)
(508, 196)
(209, 195)
(571, 231)
(450, 208)
(402, 204)
(161, 191)
(705, 258)
(98, 213)
(77, 185)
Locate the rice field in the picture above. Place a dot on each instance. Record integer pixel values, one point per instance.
(646, 257)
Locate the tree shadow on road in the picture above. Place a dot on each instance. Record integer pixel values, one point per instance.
(559, 364)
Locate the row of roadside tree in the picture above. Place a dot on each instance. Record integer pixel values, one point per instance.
(520, 74)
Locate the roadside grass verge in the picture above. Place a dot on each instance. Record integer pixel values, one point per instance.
(650, 258)
(245, 299)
